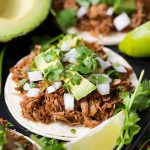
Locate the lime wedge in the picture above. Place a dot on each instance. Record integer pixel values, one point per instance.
(137, 42)
(102, 137)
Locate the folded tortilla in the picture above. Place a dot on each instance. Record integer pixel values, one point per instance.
(57, 130)
(113, 38)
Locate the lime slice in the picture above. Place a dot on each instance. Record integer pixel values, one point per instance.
(137, 42)
(103, 137)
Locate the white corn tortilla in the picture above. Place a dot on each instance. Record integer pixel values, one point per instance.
(57, 130)
(112, 39)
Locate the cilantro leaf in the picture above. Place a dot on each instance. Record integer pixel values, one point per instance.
(86, 62)
(3, 134)
(66, 18)
(54, 73)
(142, 100)
(47, 144)
(84, 3)
(130, 127)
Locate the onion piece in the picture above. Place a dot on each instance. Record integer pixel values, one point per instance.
(70, 56)
(103, 64)
(35, 76)
(57, 85)
(122, 21)
(68, 101)
(110, 11)
(66, 45)
(26, 87)
(33, 92)
(81, 12)
(103, 89)
(51, 89)
(120, 68)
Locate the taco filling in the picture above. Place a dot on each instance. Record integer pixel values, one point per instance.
(11, 140)
(101, 16)
(70, 81)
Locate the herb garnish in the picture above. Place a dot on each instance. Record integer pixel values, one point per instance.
(1, 63)
(47, 144)
(130, 127)
(66, 18)
(73, 131)
(86, 62)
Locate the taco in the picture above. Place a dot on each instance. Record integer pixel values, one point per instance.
(104, 21)
(71, 84)
(11, 139)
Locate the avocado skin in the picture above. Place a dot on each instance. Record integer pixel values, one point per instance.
(128, 6)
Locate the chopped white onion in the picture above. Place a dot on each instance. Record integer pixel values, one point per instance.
(72, 60)
(110, 11)
(81, 12)
(70, 56)
(120, 69)
(68, 101)
(26, 87)
(122, 21)
(33, 92)
(66, 45)
(51, 89)
(57, 85)
(35, 76)
(103, 89)
(103, 64)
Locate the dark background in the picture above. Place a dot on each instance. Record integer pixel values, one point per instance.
(21, 46)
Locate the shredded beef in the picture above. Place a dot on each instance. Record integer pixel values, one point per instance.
(47, 108)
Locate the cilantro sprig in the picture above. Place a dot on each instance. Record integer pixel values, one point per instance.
(47, 144)
(1, 63)
(131, 127)
(86, 62)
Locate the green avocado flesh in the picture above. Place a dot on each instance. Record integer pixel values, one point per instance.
(83, 89)
(17, 17)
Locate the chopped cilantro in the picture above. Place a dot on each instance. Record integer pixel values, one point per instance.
(32, 85)
(47, 144)
(66, 18)
(102, 79)
(54, 73)
(3, 134)
(74, 78)
(113, 74)
(21, 83)
(84, 3)
(51, 54)
(86, 62)
(73, 131)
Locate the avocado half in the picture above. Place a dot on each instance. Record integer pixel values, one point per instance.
(17, 17)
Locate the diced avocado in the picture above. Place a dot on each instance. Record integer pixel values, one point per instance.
(41, 64)
(18, 17)
(71, 39)
(81, 90)
(128, 6)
